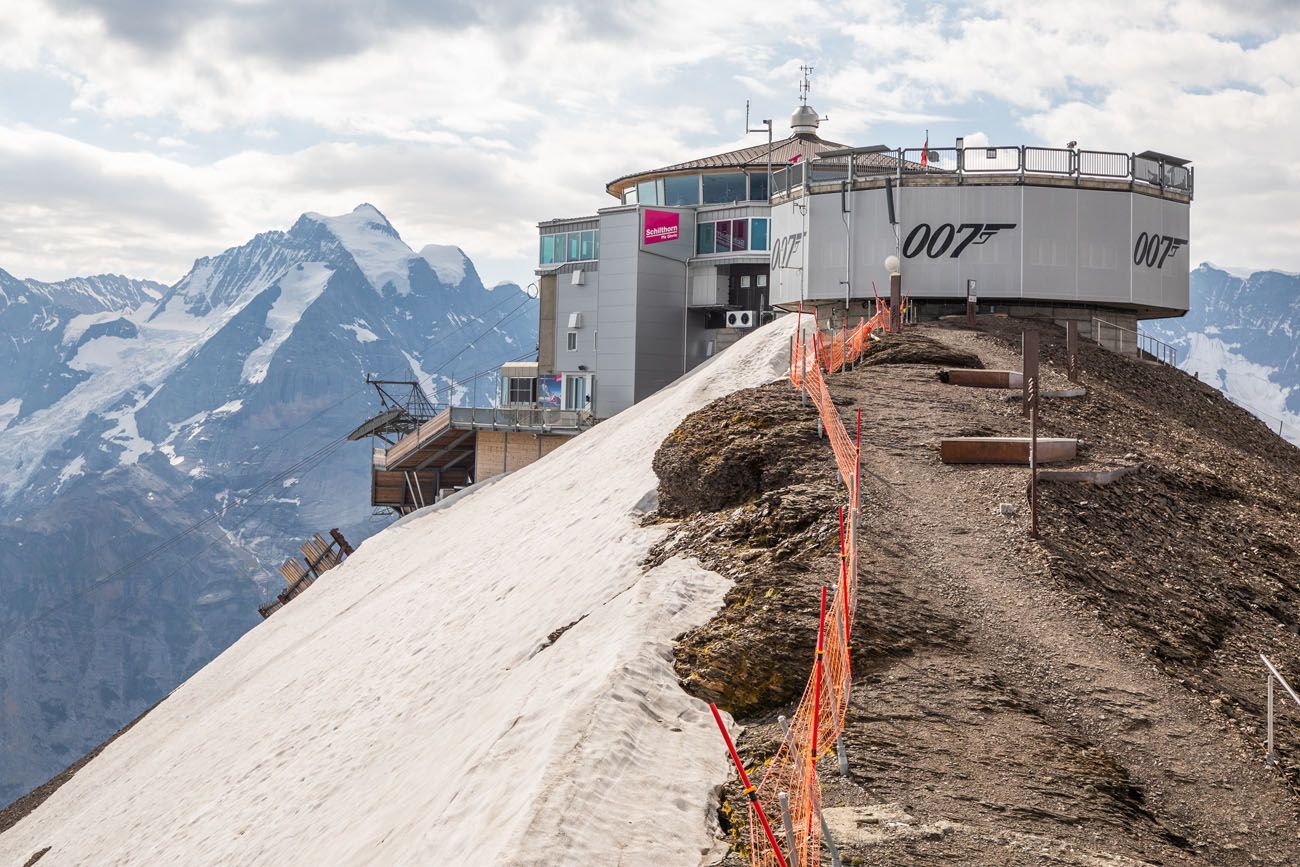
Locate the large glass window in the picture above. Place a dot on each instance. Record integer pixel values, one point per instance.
(569, 247)
(629, 196)
(731, 236)
(680, 190)
(650, 192)
(722, 188)
(758, 187)
(704, 237)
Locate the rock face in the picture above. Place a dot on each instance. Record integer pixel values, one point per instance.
(748, 477)
(129, 411)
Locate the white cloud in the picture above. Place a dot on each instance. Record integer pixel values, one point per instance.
(469, 128)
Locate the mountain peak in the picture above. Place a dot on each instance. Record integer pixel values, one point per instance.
(374, 244)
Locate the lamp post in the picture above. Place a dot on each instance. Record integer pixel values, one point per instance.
(893, 266)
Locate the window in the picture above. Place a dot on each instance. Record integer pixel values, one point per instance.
(758, 234)
(522, 389)
(740, 235)
(722, 188)
(704, 237)
(629, 196)
(650, 192)
(758, 187)
(682, 190)
(565, 247)
(575, 392)
(573, 341)
(722, 236)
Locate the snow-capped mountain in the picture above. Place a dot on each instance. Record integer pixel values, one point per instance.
(129, 411)
(1242, 334)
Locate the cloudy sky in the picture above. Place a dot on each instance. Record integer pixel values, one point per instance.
(136, 135)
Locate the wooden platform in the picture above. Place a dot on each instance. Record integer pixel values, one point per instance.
(974, 378)
(1005, 450)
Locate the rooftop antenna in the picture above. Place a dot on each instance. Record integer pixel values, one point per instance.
(766, 124)
(804, 83)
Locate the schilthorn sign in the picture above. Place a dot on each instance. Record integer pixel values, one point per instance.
(662, 226)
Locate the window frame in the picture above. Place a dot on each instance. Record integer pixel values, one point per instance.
(571, 342)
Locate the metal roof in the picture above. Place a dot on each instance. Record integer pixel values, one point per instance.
(804, 145)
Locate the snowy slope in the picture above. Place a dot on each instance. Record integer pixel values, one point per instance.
(408, 709)
(1242, 334)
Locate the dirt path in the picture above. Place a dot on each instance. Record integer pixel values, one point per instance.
(1041, 729)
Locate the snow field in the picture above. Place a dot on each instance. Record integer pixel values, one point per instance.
(409, 709)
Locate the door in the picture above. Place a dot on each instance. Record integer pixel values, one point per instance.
(575, 392)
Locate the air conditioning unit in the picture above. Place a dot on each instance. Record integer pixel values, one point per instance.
(578, 278)
(575, 320)
(742, 318)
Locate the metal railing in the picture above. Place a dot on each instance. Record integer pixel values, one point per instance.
(1143, 343)
(1019, 161)
(1273, 674)
(531, 417)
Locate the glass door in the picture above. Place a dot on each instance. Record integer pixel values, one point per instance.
(575, 392)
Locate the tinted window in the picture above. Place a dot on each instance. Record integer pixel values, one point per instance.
(682, 191)
(723, 243)
(575, 246)
(546, 253)
(740, 234)
(758, 187)
(588, 245)
(758, 234)
(724, 188)
(704, 238)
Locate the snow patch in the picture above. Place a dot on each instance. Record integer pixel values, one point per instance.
(468, 742)
(299, 287)
(379, 252)
(9, 410)
(447, 262)
(229, 407)
(360, 331)
(77, 467)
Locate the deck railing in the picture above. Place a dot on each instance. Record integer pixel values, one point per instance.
(1017, 161)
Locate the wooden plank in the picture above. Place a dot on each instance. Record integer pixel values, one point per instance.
(292, 570)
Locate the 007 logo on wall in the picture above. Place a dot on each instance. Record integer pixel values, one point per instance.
(934, 243)
(1154, 250)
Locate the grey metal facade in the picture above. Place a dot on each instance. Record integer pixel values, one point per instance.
(1018, 241)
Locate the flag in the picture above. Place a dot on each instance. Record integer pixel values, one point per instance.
(796, 158)
(925, 150)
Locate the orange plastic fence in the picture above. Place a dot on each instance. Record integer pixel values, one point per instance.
(819, 718)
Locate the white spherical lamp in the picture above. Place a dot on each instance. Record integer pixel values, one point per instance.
(892, 264)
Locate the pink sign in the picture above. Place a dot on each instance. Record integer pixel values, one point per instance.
(661, 226)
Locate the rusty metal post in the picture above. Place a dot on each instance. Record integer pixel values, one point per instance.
(970, 302)
(343, 543)
(1028, 365)
(895, 302)
(1269, 758)
(1072, 350)
(1031, 392)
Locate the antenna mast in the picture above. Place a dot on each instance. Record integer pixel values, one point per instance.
(804, 83)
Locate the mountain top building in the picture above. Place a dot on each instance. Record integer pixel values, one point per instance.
(692, 255)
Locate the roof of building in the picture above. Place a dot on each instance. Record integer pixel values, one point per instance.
(803, 145)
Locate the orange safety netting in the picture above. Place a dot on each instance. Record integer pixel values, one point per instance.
(819, 719)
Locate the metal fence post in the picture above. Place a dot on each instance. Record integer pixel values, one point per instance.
(1269, 758)
(784, 800)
